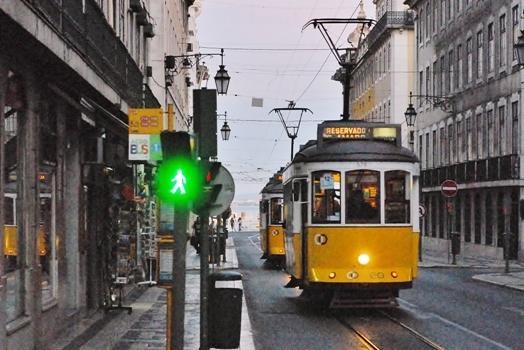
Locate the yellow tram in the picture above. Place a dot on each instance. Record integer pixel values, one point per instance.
(271, 215)
(351, 215)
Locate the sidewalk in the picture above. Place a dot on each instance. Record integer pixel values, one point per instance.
(145, 328)
(514, 279)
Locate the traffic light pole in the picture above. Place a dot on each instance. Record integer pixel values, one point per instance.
(178, 291)
(204, 272)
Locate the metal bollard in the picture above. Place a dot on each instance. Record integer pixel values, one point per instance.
(455, 246)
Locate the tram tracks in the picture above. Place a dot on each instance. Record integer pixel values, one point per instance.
(375, 334)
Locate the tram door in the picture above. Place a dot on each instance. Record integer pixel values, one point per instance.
(264, 223)
(299, 221)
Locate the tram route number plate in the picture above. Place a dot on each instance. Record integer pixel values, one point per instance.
(326, 182)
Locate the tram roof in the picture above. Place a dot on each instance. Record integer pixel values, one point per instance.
(354, 150)
(274, 184)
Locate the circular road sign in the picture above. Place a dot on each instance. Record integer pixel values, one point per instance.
(449, 188)
(421, 211)
(226, 194)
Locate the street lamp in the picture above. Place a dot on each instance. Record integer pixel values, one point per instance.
(225, 131)
(222, 78)
(519, 48)
(411, 113)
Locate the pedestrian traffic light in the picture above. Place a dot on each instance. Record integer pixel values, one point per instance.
(178, 179)
(211, 189)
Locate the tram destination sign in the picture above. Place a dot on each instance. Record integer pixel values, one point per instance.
(340, 131)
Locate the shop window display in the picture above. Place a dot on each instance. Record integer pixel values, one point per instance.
(13, 112)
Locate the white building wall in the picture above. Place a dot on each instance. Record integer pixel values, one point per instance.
(170, 39)
(385, 76)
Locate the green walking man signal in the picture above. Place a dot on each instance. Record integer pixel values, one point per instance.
(180, 182)
(179, 179)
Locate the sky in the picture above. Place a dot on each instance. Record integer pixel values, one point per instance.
(268, 56)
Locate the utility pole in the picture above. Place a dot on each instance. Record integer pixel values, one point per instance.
(178, 184)
(178, 291)
(204, 272)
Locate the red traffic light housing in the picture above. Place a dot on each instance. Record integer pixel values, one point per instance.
(210, 190)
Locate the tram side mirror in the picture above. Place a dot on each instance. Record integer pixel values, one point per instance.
(284, 225)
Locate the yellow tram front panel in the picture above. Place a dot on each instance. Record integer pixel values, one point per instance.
(386, 254)
(275, 239)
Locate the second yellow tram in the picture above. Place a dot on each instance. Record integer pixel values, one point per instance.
(271, 217)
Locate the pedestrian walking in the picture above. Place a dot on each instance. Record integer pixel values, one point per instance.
(239, 224)
(195, 237)
(232, 223)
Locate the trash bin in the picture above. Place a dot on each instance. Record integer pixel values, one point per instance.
(455, 243)
(224, 313)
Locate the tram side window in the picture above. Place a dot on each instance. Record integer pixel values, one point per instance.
(296, 191)
(9, 211)
(362, 196)
(397, 197)
(326, 197)
(276, 211)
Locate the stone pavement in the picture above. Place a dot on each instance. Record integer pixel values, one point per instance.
(145, 328)
(514, 279)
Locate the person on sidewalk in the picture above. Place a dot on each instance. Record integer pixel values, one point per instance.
(195, 236)
(232, 223)
(239, 224)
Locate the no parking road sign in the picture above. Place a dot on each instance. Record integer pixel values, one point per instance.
(449, 188)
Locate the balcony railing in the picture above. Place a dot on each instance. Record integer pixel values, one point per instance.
(482, 170)
(83, 25)
(391, 19)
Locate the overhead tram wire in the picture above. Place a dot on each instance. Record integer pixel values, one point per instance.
(318, 72)
(285, 70)
(272, 49)
(322, 66)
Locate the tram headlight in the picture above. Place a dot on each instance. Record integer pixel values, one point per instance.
(274, 233)
(394, 274)
(332, 275)
(363, 259)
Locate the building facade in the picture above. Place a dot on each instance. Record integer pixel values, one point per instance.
(383, 77)
(69, 72)
(469, 126)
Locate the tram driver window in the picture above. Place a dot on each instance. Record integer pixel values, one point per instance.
(397, 197)
(362, 196)
(276, 211)
(326, 197)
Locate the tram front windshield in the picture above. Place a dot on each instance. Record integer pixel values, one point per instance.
(362, 196)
